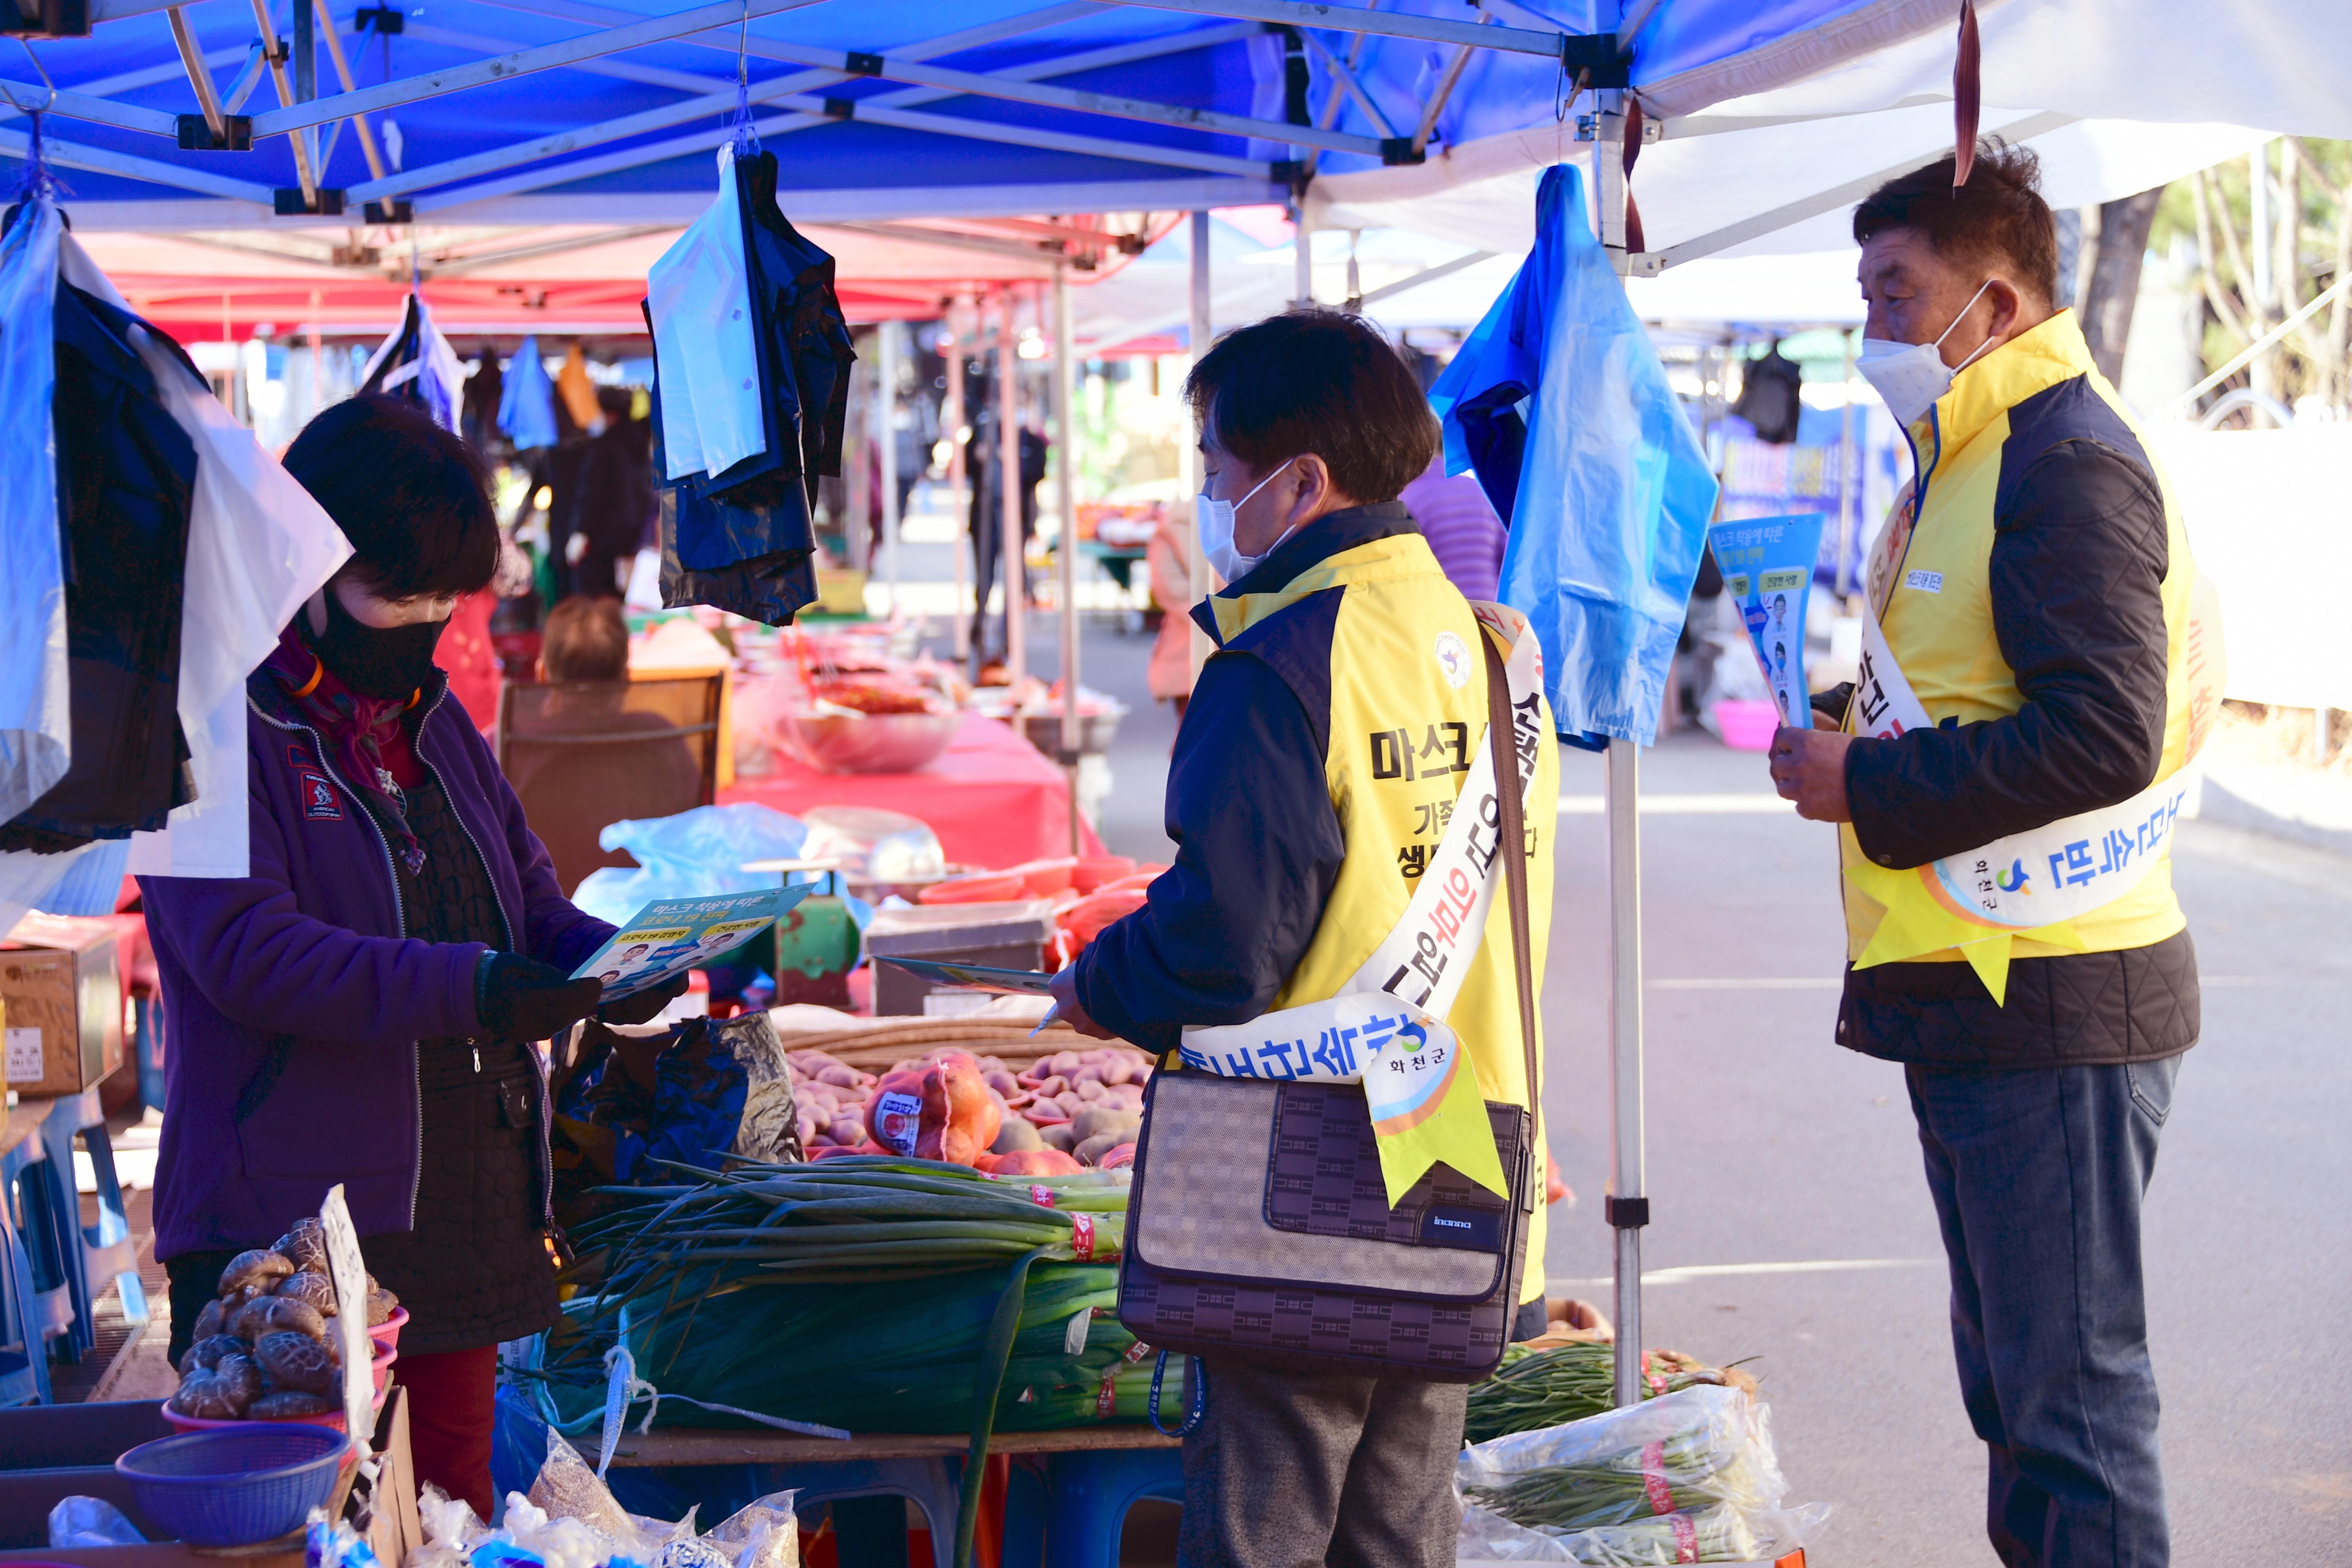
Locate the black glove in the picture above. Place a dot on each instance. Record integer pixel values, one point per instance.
(518, 998)
(641, 1007)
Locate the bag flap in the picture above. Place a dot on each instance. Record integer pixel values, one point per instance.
(1201, 1200)
(1325, 1177)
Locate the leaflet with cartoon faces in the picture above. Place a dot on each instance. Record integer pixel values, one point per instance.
(1767, 569)
(670, 936)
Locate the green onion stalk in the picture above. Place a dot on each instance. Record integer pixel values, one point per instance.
(1536, 1389)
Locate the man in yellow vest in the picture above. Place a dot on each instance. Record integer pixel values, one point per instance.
(1314, 777)
(2004, 771)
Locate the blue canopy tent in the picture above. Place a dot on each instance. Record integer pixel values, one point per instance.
(242, 114)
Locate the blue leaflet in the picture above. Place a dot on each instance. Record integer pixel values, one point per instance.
(1560, 403)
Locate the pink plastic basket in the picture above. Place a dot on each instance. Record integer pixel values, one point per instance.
(387, 1334)
(1748, 726)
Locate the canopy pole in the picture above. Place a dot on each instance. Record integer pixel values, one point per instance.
(886, 445)
(1196, 565)
(1302, 263)
(1065, 443)
(951, 416)
(1849, 471)
(1008, 492)
(1627, 1208)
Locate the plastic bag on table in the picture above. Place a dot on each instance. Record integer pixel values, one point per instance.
(1720, 1535)
(695, 854)
(1686, 1452)
(765, 1533)
(79, 1521)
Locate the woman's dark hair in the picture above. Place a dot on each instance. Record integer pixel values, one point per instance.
(585, 640)
(1317, 381)
(413, 499)
(1998, 217)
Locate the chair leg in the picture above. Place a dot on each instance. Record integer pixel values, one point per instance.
(108, 1244)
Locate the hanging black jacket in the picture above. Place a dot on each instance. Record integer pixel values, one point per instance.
(125, 475)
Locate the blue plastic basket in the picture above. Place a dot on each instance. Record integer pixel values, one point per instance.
(234, 1487)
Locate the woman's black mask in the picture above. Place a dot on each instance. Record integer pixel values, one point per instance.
(376, 661)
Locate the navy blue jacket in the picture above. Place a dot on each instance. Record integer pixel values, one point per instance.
(1258, 844)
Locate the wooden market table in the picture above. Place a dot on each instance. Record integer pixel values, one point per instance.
(691, 1445)
(993, 799)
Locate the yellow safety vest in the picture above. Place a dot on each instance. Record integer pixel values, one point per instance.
(1943, 636)
(1402, 734)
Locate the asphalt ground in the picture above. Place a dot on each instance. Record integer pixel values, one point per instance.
(1791, 1224)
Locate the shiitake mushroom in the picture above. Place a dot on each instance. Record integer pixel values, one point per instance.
(267, 1314)
(260, 1267)
(313, 1290)
(205, 1355)
(295, 1360)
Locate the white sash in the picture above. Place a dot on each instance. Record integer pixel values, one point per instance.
(1386, 1025)
(2059, 871)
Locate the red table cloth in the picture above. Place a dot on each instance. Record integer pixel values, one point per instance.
(993, 799)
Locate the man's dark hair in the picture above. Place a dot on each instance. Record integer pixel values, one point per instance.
(413, 498)
(1317, 381)
(1998, 217)
(585, 640)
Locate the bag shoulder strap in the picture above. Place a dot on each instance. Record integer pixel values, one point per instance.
(1511, 843)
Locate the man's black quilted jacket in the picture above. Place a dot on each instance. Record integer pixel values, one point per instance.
(2077, 569)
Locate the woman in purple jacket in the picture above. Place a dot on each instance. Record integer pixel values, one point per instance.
(361, 1009)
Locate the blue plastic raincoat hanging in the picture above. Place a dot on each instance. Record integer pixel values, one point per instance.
(1558, 403)
(36, 724)
(527, 402)
(706, 340)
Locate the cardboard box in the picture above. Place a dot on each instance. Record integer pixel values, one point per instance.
(61, 987)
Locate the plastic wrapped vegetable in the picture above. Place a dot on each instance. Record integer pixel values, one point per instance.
(1661, 1474)
(941, 1109)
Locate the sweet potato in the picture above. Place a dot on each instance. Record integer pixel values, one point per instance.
(830, 1151)
(1016, 1134)
(1057, 1137)
(1037, 1162)
(1091, 1151)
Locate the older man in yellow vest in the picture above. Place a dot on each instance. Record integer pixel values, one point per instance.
(2005, 772)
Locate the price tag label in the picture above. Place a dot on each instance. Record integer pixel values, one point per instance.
(24, 1048)
(349, 1274)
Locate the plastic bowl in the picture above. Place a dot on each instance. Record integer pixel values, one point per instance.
(871, 743)
(387, 1334)
(1748, 726)
(234, 1488)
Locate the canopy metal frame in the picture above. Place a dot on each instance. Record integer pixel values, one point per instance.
(830, 86)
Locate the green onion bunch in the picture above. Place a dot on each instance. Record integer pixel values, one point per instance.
(1535, 1389)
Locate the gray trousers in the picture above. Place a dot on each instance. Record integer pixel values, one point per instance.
(1301, 1470)
(2037, 1176)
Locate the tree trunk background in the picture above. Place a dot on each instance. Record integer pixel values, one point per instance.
(2114, 279)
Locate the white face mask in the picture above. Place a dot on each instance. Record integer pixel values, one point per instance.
(1909, 377)
(1215, 521)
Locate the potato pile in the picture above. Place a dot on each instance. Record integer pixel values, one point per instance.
(1066, 1111)
(261, 1349)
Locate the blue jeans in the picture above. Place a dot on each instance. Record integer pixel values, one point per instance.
(2037, 1176)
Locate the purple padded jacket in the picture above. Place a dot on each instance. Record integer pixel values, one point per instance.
(294, 1003)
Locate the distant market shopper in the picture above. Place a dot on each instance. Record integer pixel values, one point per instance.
(2029, 687)
(359, 1010)
(1342, 651)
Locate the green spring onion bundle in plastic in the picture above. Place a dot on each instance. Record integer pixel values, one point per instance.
(868, 1292)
